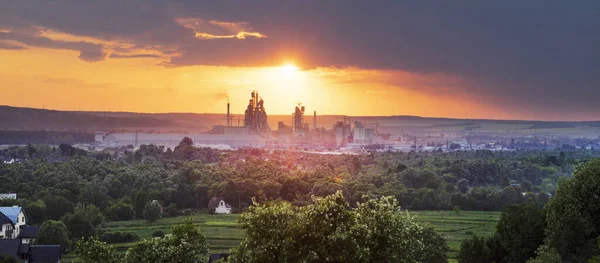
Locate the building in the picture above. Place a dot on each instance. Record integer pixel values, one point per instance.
(6, 227)
(30, 253)
(16, 216)
(218, 206)
(8, 196)
(172, 140)
(28, 234)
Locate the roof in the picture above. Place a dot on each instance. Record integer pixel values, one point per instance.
(29, 232)
(9, 247)
(23, 248)
(44, 253)
(5, 220)
(214, 202)
(11, 212)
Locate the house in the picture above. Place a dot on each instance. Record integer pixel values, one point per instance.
(218, 206)
(16, 215)
(44, 253)
(6, 227)
(30, 253)
(28, 234)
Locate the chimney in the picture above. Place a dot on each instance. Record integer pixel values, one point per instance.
(228, 116)
(315, 121)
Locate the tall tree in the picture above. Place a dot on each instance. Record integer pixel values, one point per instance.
(572, 214)
(53, 233)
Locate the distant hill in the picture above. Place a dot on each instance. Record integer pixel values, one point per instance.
(16, 118)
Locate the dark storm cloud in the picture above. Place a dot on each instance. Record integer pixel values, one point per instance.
(541, 54)
(87, 51)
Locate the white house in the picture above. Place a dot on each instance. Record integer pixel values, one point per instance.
(16, 216)
(6, 227)
(218, 206)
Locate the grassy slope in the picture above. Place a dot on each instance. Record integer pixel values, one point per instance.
(223, 232)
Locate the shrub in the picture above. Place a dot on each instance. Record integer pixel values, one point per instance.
(119, 237)
(469, 233)
(158, 233)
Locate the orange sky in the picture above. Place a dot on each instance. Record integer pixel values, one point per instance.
(57, 79)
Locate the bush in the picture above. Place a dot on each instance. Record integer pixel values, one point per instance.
(469, 233)
(158, 233)
(172, 210)
(119, 237)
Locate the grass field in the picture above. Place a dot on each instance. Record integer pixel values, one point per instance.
(223, 232)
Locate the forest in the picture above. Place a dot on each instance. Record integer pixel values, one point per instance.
(53, 181)
(81, 191)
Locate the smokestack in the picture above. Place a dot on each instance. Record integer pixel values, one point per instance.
(315, 121)
(228, 116)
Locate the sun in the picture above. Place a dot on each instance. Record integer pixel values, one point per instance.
(289, 69)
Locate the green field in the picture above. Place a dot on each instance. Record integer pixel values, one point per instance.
(223, 232)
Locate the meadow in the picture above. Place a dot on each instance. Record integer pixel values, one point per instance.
(223, 232)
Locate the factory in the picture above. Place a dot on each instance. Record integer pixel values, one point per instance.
(254, 132)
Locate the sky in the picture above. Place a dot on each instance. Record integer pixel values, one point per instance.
(463, 59)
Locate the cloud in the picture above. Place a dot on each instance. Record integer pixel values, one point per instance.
(87, 51)
(9, 46)
(116, 55)
(536, 55)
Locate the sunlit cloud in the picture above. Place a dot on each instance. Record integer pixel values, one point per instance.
(213, 29)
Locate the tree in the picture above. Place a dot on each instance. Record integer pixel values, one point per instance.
(572, 218)
(53, 233)
(185, 244)
(57, 206)
(78, 225)
(520, 231)
(35, 212)
(328, 231)
(475, 250)
(153, 211)
(94, 250)
(8, 259)
(186, 141)
(158, 233)
(92, 213)
(545, 254)
(140, 200)
(120, 210)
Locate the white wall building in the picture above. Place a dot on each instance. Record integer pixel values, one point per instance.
(218, 206)
(16, 216)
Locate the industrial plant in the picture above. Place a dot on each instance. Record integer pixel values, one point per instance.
(253, 131)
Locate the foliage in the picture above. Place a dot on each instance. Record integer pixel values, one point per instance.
(8, 259)
(53, 233)
(327, 231)
(78, 225)
(475, 250)
(91, 212)
(120, 210)
(520, 231)
(153, 211)
(545, 254)
(572, 216)
(158, 233)
(185, 244)
(94, 250)
(119, 237)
